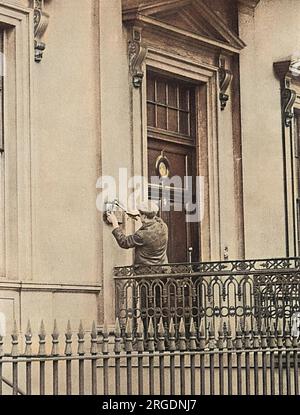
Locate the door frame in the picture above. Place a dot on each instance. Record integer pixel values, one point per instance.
(207, 106)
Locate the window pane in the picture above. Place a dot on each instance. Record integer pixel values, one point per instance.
(161, 92)
(173, 120)
(172, 95)
(151, 115)
(162, 117)
(183, 99)
(150, 89)
(173, 108)
(184, 123)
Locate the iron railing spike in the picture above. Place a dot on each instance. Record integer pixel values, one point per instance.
(28, 329)
(140, 327)
(117, 328)
(182, 327)
(161, 328)
(151, 328)
(202, 328)
(15, 331)
(172, 328)
(69, 328)
(55, 332)
(81, 332)
(211, 328)
(94, 329)
(221, 327)
(192, 327)
(42, 331)
(263, 327)
(128, 330)
(279, 327)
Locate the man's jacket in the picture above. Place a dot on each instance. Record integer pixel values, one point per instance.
(150, 242)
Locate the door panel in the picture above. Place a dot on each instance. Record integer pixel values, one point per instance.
(182, 235)
(171, 136)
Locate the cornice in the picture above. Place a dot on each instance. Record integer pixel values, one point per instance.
(149, 13)
(251, 4)
(289, 68)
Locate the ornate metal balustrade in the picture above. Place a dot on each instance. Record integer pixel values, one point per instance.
(252, 290)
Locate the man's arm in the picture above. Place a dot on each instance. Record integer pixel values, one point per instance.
(125, 242)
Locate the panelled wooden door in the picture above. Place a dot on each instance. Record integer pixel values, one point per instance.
(172, 152)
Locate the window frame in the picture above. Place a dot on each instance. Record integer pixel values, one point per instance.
(206, 78)
(16, 216)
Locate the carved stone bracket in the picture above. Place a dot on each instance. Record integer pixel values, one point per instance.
(288, 99)
(289, 73)
(41, 21)
(225, 79)
(137, 53)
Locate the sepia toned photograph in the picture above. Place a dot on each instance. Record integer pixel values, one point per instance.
(149, 200)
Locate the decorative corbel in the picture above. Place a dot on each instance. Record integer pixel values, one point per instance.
(288, 72)
(136, 53)
(288, 100)
(41, 21)
(225, 79)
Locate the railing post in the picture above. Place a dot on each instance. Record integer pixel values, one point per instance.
(272, 345)
(68, 353)
(229, 347)
(15, 355)
(117, 350)
(193, 348)
(280, 364)
(220, 345)
(151, 349)
(161, 348)
(105, 357)
(94, 353)
(55, 353)
(202, 344)
(295, 363)
(172, 348)
(247, 345)
(81, 353)
(288, 345)
(140, 349)
(264, 346)
(256, 346)
(238, 347)
(182, 348)
(28, 354)
(129, 349)
(211, 346)
(42, 353)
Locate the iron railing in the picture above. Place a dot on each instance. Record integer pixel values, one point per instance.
(255, 290)
(231, 362)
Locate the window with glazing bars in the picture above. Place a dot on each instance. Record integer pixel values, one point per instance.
(170, 105)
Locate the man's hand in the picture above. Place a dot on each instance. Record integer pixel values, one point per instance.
(111, 217)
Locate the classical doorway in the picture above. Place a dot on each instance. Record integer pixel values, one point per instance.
(172, 160)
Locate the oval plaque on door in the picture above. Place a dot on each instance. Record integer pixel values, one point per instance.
(162, 167)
